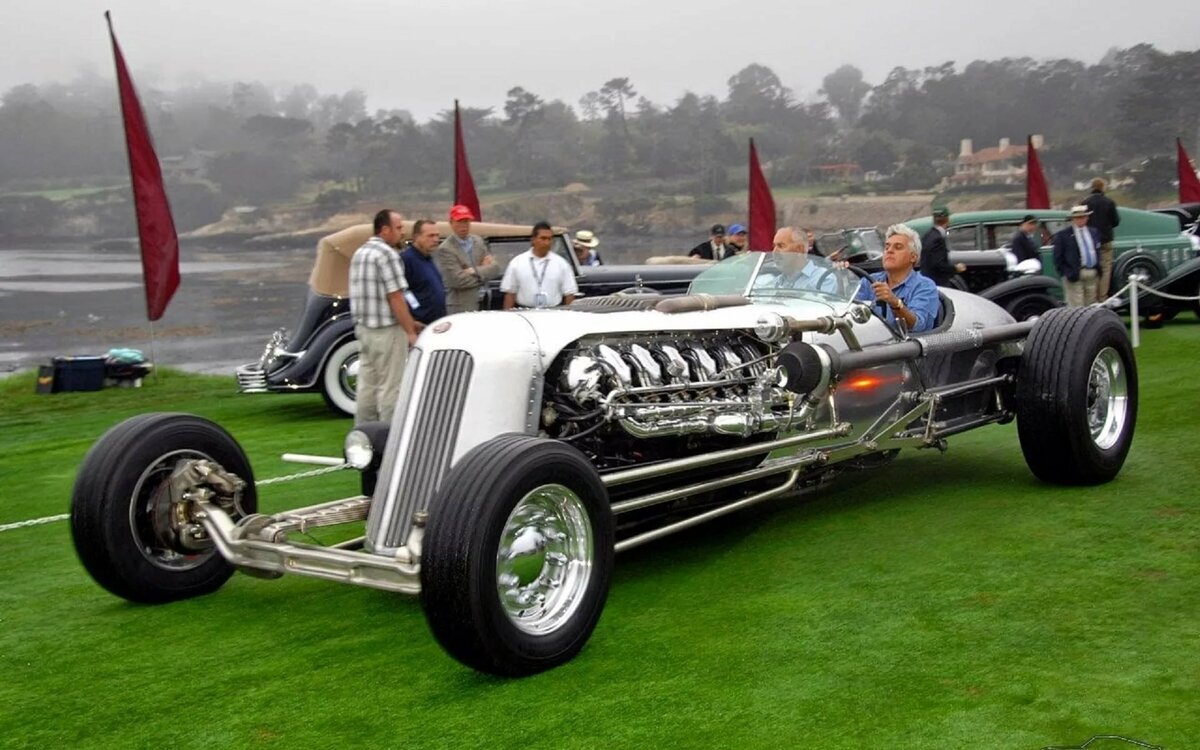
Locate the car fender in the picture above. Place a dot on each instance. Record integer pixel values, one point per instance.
(303, 373)
(1183, 280)
(1006, 291)
(1186, 271)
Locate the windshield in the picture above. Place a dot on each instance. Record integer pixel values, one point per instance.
(855, 245)
(779, 275)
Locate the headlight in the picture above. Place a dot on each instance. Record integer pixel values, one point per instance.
(358, 449)
(364, 445)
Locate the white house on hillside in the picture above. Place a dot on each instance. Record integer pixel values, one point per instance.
(1003, 164)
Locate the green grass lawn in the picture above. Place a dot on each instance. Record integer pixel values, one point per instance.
(944, 601)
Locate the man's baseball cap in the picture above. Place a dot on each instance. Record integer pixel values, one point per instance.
(941, 212)
(460, 212)
(718, 229)
(737, 229)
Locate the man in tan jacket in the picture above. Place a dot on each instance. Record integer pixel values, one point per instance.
(465, 263)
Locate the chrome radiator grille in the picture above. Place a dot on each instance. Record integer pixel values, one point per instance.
(424, 433)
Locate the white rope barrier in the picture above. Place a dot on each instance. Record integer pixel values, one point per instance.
(1136, 290)
(34, 522)
(259, 483)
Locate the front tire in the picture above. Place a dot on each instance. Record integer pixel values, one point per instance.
(339, 377)
(1077, 396)
(1146, 268)
(121, 520)
(518, 556)
(1030, 306)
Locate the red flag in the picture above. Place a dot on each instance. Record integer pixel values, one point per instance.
(464, 186)
(1189, 185)
(156, 228)
(1037, 195)
(762, 207)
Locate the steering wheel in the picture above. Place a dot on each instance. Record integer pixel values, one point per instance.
(859, 272)
(819, 284)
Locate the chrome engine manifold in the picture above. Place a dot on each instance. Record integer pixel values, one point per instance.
(655, 385)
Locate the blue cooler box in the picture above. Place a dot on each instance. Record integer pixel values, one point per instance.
(78, 374)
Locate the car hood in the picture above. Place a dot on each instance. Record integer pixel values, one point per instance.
(649, 273)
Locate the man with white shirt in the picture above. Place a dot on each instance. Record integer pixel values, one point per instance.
(1077, 258)
(537, 278)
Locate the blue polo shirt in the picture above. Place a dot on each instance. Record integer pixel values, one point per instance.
(918, 293)
(425, 283)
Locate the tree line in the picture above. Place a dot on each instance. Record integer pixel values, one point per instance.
(252, 144)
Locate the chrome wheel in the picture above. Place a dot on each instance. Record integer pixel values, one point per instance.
(152, 519)
(1107, 398)
(544, 561)
(348, 376)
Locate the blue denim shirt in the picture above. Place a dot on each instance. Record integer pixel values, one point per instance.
(917, 292)
(425, 283)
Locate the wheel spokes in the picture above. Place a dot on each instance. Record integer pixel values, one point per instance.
(544, 558)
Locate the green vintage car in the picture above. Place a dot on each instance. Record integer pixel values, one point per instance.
(1146, 244)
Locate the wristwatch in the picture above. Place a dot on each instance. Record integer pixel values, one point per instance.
(898, 306)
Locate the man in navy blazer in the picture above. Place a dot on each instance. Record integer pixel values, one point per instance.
(1022, 242)
(1077, 258)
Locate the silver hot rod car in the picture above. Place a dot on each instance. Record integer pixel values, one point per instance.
(530, 446)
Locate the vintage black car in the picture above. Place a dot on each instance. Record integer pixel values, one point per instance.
(320, 354)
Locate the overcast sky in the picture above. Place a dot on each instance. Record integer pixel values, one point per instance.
(421, 54)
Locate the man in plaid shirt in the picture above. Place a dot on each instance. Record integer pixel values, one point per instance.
(382, 322)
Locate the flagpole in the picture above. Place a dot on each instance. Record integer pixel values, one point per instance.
(464, 183)
(457, 130)
(1037, 191)
(760, 206)
(153, 353)
(1189, 184)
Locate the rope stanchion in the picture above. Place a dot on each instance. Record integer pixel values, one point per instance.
(1133, 312)
(1136, 289)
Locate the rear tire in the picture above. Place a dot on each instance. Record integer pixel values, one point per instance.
(518, 556)
(339, 377)
(120, 520)
(1077, 396)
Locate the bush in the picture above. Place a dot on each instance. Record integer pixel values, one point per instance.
(335, 200)
(711, 204)
(194, 204)
(25, 215)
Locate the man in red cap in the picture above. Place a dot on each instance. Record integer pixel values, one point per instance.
(465, 263)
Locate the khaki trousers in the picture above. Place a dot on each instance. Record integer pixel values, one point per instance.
(380, 366)
(1105, 280)
(1077, 293)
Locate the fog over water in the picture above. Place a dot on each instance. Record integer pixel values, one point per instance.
(420, 55)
